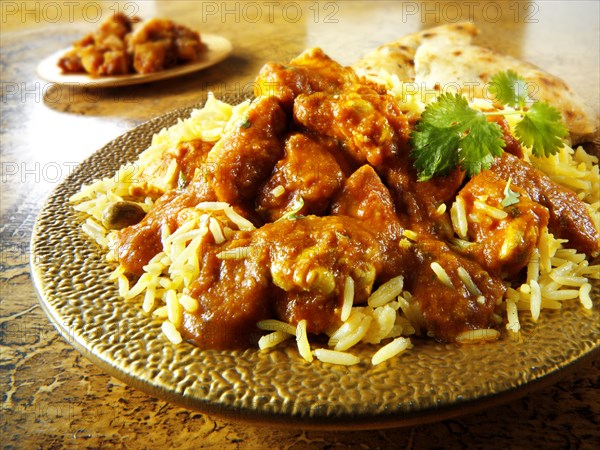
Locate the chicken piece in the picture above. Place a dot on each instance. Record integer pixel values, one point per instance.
(244, 158)
(369, 125)
(102, 52)
(70, 62)
(175, 169)
(152, 30)
(137, 244)
(154, 56)
(418, 202)
(188, 44)
(233, 295)
(161, 43)
(465, 299)
(569, 217)
(310, 260)
(308, 172)
(296, 267)
(188, 49)
(91, 59)
(116, 25)
(312, 71)
(511, 143)
(115, 62)
(364, 197)
(505, 236)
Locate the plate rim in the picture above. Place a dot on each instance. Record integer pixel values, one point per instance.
(219, 48)
(350, 421)
(376, 422)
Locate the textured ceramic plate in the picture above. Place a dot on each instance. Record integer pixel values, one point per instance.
(218, 49)
(430, 382)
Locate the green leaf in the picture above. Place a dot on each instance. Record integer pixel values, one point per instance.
(451, 133)
(293, 213)
(510, 197)
(541, 129)
(434, 150)
(509, 89)
(479, 148)
(448, 110)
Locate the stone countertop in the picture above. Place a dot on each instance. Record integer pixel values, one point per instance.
(52, 397)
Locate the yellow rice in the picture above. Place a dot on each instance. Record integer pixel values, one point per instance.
(555, 273)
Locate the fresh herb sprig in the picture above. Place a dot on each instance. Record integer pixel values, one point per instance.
(293, 214)
(510, 197)
(451, 134)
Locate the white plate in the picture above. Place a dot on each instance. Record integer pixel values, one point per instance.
(218, 49)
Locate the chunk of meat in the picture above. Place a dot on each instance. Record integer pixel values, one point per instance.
(154, 56)
(365, 198)
(310, 260)
(505, 237)
(511, 143)
(244, 158)
(569, 217)
(161, 43)
(233, 295)
(174, 169)
(417, 202)
(91, 60)
(116, 25)
(295, 269)
(115, 62)
(103, 52)
(137, 244)
(308, 171)
(450, 309)
(104, 59)
(369, 125)
(70, 62)
(312, 71)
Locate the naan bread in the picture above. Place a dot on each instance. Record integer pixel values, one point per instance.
(472, 67)
(443, 58)
(398, 57)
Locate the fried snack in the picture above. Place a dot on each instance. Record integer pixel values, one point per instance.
(117, 49)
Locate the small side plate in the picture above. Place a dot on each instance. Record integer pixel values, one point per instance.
(218, 49)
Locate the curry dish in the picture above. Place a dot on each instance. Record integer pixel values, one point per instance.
(320, 170)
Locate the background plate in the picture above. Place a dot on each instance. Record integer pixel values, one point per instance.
(429, 382)
(218, 49)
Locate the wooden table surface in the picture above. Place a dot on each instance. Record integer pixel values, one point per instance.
(54, 398)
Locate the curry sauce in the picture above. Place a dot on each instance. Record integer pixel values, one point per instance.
(321, 167)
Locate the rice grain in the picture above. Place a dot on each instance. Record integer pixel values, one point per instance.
(302, 341)
(390, 350)
(335, 357)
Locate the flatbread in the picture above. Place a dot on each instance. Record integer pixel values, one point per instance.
(444, 59)
(438, 65)
(398, 57)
